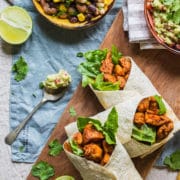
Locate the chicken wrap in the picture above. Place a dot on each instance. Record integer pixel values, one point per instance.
(144, 124)
(96, 153)
(113, 77)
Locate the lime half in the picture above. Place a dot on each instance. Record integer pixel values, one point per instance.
(65, 178)
(15, 25)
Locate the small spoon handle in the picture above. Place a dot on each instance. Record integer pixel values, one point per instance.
(10, 138)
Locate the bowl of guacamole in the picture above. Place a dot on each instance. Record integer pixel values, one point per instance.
(163, 20)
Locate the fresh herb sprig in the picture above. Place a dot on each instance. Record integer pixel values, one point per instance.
(20, 67)
(55, 148)
(43, 170)
(109, 128)
(90, 69)
(72, 112)
(173, 161)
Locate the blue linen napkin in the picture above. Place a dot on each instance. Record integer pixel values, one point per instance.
(48, 50)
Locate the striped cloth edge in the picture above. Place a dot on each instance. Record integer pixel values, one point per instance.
(135, 23)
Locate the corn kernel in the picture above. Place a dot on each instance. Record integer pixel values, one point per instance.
(56, 1)
(81, 17)
(62, 8)
(88, 3)
(106, 1)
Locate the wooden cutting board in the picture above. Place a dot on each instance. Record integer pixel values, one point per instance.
(162, 68)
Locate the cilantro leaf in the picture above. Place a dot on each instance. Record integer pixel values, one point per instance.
(173, 161)
(79, 54)
(43, 170)
(55, 148)
(21, 69)
(72, 111)
(21, 148)
(41, 85)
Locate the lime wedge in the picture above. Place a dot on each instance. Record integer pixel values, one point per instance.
(65, 178)
(15, 25)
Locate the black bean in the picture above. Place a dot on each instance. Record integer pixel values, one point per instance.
(73, 19)
(89, 17)
(92, 8)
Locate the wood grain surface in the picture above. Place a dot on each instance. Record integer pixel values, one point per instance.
(162, 68)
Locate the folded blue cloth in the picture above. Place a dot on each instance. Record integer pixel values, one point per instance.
(48, 50)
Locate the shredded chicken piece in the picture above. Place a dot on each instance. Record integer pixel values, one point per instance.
(93, 152)
(143, 105)
(105, 159)
(107, 147)
(126, 64)
(153, 111)
(153, 105)
(47, 9)
(122, 81)
(109, 78)
(126, 76)
(77, 137)
(155, 120)
(107, 65)
(118, 70)
(67, 146)
(139, 118)
(90, 134)
(164, 130)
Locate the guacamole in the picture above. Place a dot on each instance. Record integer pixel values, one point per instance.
(56, 81)
(166, 18)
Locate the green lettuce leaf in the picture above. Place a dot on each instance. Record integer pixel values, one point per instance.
(173, 161)
(99, 84)
(86, 80)
(90, 69)
(43, 170)
(75, 148)
(83, 121)
(162, 107)
(96, 55)
(109, 128)
(116, 55)
(145, 133)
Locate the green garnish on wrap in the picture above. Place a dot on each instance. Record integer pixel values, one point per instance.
(145, 133)
(119, 160)
(109, 128)
(90, 69)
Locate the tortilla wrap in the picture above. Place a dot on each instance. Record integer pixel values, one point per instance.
(126, 111)
(137, 83)
(119, 166)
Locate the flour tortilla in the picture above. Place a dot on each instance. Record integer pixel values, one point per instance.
(126, 111)
(119, 166)
(137, 83)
